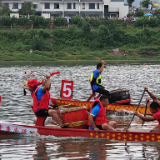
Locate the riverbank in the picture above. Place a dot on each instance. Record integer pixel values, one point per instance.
(77, 44)
(109, 57)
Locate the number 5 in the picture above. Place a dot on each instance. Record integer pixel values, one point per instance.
(66, 89)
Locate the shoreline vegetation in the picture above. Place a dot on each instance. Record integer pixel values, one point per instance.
(83, 40)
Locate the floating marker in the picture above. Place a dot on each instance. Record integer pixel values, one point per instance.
(25, 72)
(144, 64)
(126, 63)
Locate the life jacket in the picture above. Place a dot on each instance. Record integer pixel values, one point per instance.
(101, 117)
(43, 103)
(97, 80)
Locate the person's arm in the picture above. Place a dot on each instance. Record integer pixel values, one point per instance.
(47, 83)
(152, 95)
(92, 123)
(151, 118)
(93, 114)
(101, 69)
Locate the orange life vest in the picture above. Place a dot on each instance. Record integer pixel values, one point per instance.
(43, 103)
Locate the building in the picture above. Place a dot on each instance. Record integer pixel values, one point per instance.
(83, 8)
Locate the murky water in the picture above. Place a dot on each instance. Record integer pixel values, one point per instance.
(15, 108)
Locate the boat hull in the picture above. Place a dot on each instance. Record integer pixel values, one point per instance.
(111, 107)
(85, 133)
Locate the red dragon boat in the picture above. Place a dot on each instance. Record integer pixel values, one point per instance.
(110, 107)
(10, 129)
(77, 129)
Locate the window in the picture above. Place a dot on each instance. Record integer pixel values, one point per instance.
(15, 5)
(47, 6)
(56, 5)
(69, 6)
(7, 4)
(97, 5)
(91, 5)
(74, 6)
(83, 5)
(35, 6)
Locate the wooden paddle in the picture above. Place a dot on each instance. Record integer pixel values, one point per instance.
(135, 110)
(99, 59)
(39, 73)
(144, 114)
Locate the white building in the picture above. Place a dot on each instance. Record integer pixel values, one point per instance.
(54, 8)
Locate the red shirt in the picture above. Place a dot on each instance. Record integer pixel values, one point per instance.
(157, 117)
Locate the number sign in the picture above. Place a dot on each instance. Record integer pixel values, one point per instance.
(66, 89)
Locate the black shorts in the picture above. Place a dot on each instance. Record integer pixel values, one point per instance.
(42, 112)
(99, 127)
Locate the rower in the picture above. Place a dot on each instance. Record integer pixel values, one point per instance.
(96, 80)
(97, 117)
(41, 100)
(32, 85)
(155, 111)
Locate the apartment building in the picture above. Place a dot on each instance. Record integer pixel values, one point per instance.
(83, 8)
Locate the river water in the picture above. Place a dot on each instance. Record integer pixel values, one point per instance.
(15, 108)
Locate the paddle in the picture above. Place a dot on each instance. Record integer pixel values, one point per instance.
(99, 59)
(39, 73)
(144, 114)
(51, 74)
(135, 110)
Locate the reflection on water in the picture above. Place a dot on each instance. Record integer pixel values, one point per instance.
(63, 149)
(16, 109)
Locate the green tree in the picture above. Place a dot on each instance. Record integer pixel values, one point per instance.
(86, 28)
(130, 2)
(157, 12)
(27, 8)
(4, 9)
(139, 13)
(145, 3)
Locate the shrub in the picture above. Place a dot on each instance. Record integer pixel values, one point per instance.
(59, 21)
(76, 20)
(139, 13)
(86, 28)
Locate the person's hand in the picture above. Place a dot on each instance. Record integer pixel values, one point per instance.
(147, 100)
(102, 62)
(146, 89)
(135, 113)
(96, 129)
(47, 76)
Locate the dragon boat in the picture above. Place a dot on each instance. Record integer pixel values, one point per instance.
(13, 129)
(76, 118)
(110, 107)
